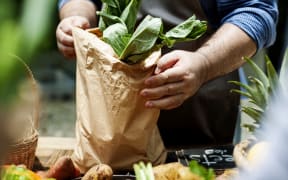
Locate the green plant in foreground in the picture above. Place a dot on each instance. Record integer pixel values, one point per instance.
(145, 172)
(261, 89)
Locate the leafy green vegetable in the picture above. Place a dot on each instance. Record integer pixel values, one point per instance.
(132, 47)
(110, 19)
(144, 37)
(207, 174)
(188, 30)
(114, 11)
(117, 34)
(129, 15)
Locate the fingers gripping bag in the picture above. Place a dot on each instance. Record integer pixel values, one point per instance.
(113, 126)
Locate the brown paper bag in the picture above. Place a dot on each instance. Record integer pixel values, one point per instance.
(113, 126)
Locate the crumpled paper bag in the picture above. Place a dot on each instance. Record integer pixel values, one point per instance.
(113, 125)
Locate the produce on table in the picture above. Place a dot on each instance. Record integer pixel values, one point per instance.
(256, 152)
(63, 169)
(117, 22)
(99, 172)
(261, 90)
(13, 172)
(173, 171)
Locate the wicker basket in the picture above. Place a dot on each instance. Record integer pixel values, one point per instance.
(22, 151)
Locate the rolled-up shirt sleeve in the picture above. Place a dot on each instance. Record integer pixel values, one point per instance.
(62, 2)
(257, 18)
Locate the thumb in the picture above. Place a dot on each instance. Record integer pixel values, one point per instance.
(165, 62)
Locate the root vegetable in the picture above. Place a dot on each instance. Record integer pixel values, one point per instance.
(99, 172)
(63, 169)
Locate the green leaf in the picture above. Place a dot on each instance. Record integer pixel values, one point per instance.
(129, 15)
(272, 76)
(254, 113)
(256, 95)
(207, 174)
(137, 57)
(144, 37)
(190, 29)
(113, 8)
(241, 92)
(117, 36)
(262, 93)
(250, 90)
(250, 127)
(111, 3)
(261, 75)
(109, 19)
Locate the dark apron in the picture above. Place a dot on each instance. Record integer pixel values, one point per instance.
(209, 117)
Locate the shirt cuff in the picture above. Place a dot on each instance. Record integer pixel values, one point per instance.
(257, 23)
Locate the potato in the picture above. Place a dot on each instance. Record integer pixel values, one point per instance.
(174, 171)
(99, 172)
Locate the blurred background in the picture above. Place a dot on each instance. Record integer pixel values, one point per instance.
(28, 31)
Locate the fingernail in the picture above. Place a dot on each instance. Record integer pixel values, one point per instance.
(149, 104)
(157, 71)
(143, 93)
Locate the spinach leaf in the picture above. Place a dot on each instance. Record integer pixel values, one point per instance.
(117, 36)
(123, 9)
(108, 10)
(129, 15)
(190, 29)
(144, 37)
(112, 3)
(109, 19)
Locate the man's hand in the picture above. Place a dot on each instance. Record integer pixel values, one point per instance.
(64, 34)
(178, 75)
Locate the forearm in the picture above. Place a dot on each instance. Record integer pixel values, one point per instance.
(223, 52)
(82, 8)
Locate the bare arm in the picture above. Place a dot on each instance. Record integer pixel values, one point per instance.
(179, 74)
(224, 51)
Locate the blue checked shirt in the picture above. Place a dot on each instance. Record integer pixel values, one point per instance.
(258, 18)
